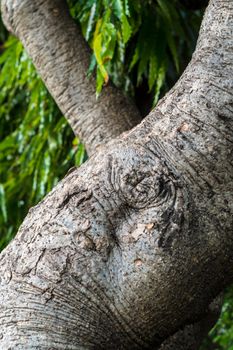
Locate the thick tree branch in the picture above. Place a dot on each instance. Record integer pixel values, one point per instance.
(61, 56)
(137, 242)
(192, 336)
(198, 111)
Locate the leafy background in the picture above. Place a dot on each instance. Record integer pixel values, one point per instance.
(143, 47)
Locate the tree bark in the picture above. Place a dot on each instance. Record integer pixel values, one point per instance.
(191, 336)
(137, 242)
(62, 58)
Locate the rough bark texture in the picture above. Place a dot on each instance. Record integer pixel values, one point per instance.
(62, 58)
(191, 337)
(137, 242)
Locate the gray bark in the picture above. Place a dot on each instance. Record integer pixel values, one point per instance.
(138, 241)
(62, 58)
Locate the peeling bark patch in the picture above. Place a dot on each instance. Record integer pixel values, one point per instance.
(150, 226)
(138, 232)
(138, 262)
(84, 242)
(184, 127)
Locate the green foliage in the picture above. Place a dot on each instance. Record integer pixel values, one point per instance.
(37, 146)
(222, 333)
(134, 40)
(221, 336)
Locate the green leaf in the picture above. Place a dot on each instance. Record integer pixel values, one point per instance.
(126, 6)
(90, 24)
(126, 29)
(118, 8)
(159, 82)
(153, 71)
(134, 59)
(99, 81)
(92, 65)
(80, 155)
(3, 203)
(97, 47)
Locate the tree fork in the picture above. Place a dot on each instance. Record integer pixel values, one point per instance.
(62, 57)
(139, 240)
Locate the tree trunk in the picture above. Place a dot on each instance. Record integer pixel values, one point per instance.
(136, 243)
